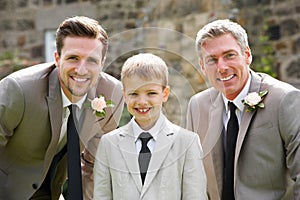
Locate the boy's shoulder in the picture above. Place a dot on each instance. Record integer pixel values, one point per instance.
(182, 139)
(179, 131)
(117, 132)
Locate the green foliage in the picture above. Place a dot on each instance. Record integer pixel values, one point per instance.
(126, 117)
(11, 59)
(264, 57)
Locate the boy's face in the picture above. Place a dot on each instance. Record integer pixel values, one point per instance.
(144, 99)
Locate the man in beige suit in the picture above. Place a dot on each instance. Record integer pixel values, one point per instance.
(33, 108)
(266, 154)
(175, 170)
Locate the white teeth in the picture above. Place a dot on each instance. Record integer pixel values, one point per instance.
(79, 79)
(226, 78)
(143, 110)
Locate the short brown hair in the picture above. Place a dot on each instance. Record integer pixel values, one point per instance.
(82, 27)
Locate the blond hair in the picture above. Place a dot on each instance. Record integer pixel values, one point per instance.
(146, 66)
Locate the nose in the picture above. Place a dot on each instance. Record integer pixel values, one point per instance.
(81, 69)
(221, 65)
(142, 99)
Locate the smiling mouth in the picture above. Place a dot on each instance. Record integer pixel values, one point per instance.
(79, 80)
(226, 78)
(143, 110)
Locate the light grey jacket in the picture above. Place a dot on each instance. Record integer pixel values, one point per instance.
(267, 161)
(175, 170)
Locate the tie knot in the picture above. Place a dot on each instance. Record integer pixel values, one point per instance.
(71, 107)
(145, 137)
(231, 106)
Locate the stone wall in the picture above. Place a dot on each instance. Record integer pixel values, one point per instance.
(166, 28)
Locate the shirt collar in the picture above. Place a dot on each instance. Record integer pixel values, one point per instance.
(66, 102)
(238, 100)
(137, 130)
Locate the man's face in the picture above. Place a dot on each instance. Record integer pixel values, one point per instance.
(225, 66)
(79, 65)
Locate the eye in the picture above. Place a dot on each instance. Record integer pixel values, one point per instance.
(93, 60)
(72, 58)
(230, 55)
(211, 60)
(132, 94)
(152, 93)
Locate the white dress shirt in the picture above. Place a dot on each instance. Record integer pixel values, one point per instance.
(237, 102)
(65, 115)
(154, 131)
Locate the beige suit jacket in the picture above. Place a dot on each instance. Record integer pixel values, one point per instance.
(175, 169)
(30, 123)
(267, 161)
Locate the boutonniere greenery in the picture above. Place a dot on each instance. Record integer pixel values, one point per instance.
(254, 100)
(99, 104)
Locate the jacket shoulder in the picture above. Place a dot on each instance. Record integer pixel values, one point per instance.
(181, 133)
(33, 73)
(270, 82)
(108, 79)
(210, 93)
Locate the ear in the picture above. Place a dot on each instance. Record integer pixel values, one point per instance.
(56, 58)
(102, 63)
(202, 67)
(248, 56)
(166, 93)
(123, 92)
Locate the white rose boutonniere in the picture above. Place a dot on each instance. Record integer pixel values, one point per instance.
(254, 100)
(99, 104)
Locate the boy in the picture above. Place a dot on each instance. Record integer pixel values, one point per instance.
(175, 170)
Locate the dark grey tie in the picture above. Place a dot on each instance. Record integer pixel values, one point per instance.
(231, 136)
(74, 163)
(145, 154)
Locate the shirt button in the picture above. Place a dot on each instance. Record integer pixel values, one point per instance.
(35, 186)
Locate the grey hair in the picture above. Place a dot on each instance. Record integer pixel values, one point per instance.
(218, 28)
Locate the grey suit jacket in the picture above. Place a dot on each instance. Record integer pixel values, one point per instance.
(30, 123)
(267, 161)
(175, 169)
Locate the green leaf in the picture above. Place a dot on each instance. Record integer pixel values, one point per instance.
(110, 105)
(109, 102)
(263, 93)
(261, 105)
(100, 114)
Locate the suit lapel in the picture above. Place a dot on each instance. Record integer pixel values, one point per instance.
(88, 122)
(213, 142)
(214, 129)
(128, 150)
(162, 147)
(54, 101)
(246, 118)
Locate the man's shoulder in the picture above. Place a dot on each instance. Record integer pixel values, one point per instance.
(271, 83)
(207, 94)
(109, 79)
(31, 76)
(34, 72)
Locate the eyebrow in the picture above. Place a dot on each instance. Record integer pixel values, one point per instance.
(225, 52)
